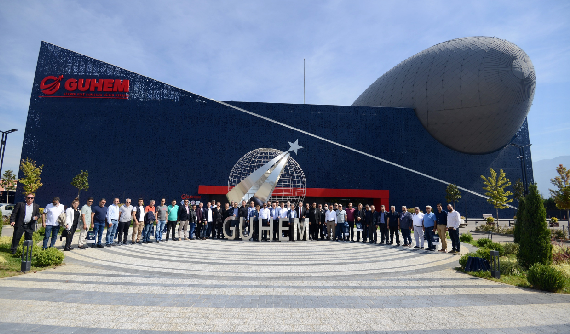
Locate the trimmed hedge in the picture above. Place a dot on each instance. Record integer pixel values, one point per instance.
(48, 257)
(535, 244)
(466, 237)
(545, 277)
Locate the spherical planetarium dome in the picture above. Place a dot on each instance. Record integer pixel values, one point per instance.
(291, 186)
(472, 94)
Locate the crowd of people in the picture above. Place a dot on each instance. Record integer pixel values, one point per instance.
(200, 222)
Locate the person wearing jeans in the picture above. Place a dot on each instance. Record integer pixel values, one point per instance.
(98, 215)
(406, 223)
(148, 221)
(161, 213)
(112, 222)
(428, 223)
(50, 223)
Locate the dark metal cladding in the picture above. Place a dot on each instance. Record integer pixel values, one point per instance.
(164, 142)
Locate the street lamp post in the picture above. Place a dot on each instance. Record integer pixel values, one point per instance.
(522, 157)
(3, 146)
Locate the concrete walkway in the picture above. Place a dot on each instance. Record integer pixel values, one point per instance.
(220, 286)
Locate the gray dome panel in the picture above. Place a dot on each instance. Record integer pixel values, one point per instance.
(471, 94)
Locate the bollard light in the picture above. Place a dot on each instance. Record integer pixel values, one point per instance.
(495, 264)
(27, 255)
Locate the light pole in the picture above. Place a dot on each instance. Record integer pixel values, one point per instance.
(522, 157)
(3, 147)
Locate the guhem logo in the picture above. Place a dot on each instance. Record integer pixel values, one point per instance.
(86, 88)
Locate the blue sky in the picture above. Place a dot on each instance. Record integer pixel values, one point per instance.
(254, 50)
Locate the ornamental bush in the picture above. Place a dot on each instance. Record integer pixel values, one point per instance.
(535, 246)
(483, 242)
(484, 253)
(48, 257)
(510, 268)
(463, 259)
(511, 248)
(466, 237)
(545, 277)
(35, 249)
(497, 247)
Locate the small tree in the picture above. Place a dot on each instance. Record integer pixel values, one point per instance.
(80, 181)
(452, 194)
(496, 190)
(535, 245)
(31, 180)
(518, 190)
(8, 183)
(561, 196)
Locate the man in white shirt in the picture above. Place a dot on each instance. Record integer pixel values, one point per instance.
(125, 218)
(264, 216)
(50, 223)
(112, 222)
(330, 218)
(453, 221)
(283, 213)
(292, 214)
(417, 219)
(340, 221)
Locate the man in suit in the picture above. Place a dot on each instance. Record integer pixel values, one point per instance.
(23, 219)
(242, 212)
(314, 221)
(360, 218)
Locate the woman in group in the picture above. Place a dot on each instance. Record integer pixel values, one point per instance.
(71, 220)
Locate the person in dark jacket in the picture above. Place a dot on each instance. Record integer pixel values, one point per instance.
(242, 212)
(314, 220)
(218, 220)
(394, 225)
(382, 221)
(184, 219)
(24, 218)
(360, 219)
(323, 225)
(201, 221)
(406, 223)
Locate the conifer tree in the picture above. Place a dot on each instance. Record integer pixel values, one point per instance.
(535, 245)
(519, 223)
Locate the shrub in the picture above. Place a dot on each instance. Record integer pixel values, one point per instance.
(484, 253)
(511, 248)
(561, 254)
(497, 247)
(510, 268)
(35, 249)
(483, 242)
(559, 234)
(535, 246)
(463, 259)
(48, 257)
(545, 277)
(490, 220)
(466, 237)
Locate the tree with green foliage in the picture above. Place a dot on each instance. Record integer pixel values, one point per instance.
(535, 245)
(32, 176)
(518, 190)
(8, 182)
(495, 188)
(519, 222)
(452, 194)
(81, 182)
(561, 196)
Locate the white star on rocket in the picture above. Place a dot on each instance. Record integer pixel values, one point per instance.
(295, 146)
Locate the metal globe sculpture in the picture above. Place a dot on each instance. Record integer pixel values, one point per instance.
(471, 94)
(291, 185)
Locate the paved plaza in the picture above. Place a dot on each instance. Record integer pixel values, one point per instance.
(220, 286)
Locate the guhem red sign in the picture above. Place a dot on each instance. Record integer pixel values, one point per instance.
(85, 88)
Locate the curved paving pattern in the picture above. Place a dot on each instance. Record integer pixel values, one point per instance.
(219, 286)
